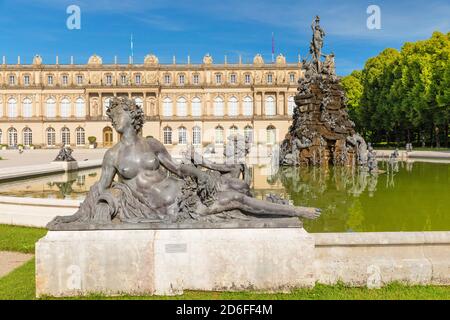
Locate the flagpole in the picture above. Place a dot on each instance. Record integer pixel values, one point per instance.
(273, 49)
(131, 47)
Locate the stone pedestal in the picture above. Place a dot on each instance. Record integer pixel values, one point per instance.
(166, 262)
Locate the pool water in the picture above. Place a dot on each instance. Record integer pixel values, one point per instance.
(409, 196)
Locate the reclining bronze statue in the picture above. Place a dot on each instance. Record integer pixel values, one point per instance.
(150, 187)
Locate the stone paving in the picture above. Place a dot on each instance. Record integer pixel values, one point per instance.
(12, 158)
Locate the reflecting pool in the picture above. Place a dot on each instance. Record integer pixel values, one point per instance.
(409, 196)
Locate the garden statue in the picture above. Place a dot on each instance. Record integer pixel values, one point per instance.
(372, 162)
(65, 154)
(321, 131)
(152, 188)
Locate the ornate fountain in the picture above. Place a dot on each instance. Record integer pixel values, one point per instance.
(321, 132)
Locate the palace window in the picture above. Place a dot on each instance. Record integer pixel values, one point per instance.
(138, 79)
(291, 105)
(218, 78)
(167, 78)
(196, 135)
(12, 108)
(26, 80)
(65, 80)
(248, 134)
(167, 107)
(269, 106)
(181, 107)
(167, 135)
(219, 135)
(195, 79)
(269, 78)
(65, 108)
(196, 104)
(50, 80)
(271, 135)
(51, 137)
(81, 136)
(12, 137)
(79, 79)
(12, 80)
(139, 102)
(123, 79)
(65, 136)
(27, 137)
(80, 109)
(292, 77)
(182, 135)
(218, 107)
(247, 79)
(27, 108)
(248, 106)
(50, 108)
(233, 130)
(181, 79)
(109, 79)
(233, 78)
(233, 107)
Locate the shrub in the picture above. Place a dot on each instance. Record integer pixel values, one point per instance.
(92, 139)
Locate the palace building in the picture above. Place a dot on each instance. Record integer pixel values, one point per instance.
(46, 106)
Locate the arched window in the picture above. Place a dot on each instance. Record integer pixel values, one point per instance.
(167, 135)
(218, 107)
(270, 106)
(248, 134)
(248, 106)
(51, 137)
(65, 136)
(65, 108)
(50, 108)
(139, 102)
(27, 108)
(196, 135)
(233, 107)
(80, 108)
(81, 136)
(233, 130)
(167, 107)
(181, 107)
(219, 135)
(27, 137)
(12, 137)
(196, 107)
(182, 135)
(12, 108)
(105, 105)
(271, 134)
(291, 105)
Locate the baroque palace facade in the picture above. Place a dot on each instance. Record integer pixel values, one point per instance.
(48, 106)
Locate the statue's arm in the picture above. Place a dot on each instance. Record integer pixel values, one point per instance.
(181, 170)
(108, 171)
(205, 163)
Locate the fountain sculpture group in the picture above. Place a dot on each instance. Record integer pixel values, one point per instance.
(321, 131)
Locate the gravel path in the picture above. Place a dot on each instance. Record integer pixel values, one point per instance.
(12, 260)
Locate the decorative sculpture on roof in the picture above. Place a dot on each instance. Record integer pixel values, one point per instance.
(152, 188)
(151, 59)
(207, 59)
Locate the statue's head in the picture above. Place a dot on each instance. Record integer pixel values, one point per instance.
(123, 113)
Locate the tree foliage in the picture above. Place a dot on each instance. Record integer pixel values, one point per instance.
(404, 96)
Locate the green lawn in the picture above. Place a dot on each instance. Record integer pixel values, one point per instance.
(20, 283)
(19, 239)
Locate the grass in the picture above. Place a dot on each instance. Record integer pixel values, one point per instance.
(20, 285)
(19, 239)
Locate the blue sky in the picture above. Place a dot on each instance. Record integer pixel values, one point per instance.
(230, 27)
